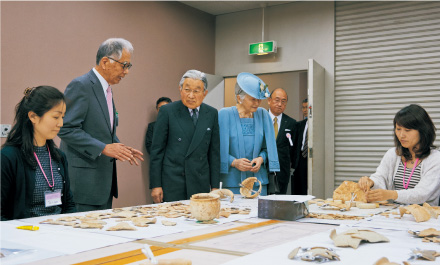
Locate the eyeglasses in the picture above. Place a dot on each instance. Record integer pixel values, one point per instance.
(125, 65)
(195, 92)
(282, 101)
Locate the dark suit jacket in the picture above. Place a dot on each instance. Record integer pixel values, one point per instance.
(184, 159)
(284, 148)
(149, 136)
(85, 133)
(18, 184)
(300, 126)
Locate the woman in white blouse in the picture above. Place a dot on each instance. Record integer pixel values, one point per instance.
(409, 173)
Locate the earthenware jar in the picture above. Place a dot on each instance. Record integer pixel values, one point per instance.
(205, 206)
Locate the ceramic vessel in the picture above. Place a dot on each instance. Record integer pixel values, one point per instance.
(205, 206)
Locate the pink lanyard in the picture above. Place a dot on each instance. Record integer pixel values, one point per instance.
(405, 186)
(50, 161)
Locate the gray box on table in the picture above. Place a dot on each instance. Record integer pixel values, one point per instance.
(282, 210)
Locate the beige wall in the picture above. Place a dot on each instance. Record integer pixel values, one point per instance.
(50, 43)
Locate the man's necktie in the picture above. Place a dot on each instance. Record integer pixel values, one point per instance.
(306, 145)
(194, 116)
(275, 126)
(110, 105)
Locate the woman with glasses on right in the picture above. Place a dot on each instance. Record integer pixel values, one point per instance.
(409, 173)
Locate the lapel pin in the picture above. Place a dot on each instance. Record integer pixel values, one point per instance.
(208, 129)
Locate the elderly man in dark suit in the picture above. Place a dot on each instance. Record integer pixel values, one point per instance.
(300, 155)
(88, 136)
(185, 154)
(150, 129)
(284, 127)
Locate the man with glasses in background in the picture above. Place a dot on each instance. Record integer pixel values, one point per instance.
(185, 153)
(88, 136)
(284, 127)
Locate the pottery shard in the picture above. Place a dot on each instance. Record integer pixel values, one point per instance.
(247, 186)
(344, 240)
(142, 222)
(122, 226)
(168, 223)
(420, 213)
(353, 237)
(67, 219)
(430, 210)
(344, 191)
(428, 232)
(91, 224)
(225, 214)
(51, 222)
(123, 214)
(224, 193)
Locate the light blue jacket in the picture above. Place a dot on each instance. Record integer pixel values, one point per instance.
(232, 146)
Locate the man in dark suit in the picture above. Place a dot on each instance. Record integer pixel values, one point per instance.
(284, 127)
(185, 154)
(300, 155)
(149, 136)
(88, 136)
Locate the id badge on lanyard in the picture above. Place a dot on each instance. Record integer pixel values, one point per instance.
(52, 198)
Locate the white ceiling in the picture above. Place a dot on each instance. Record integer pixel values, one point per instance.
(225, 7)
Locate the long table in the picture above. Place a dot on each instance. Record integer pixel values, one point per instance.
(239, 239)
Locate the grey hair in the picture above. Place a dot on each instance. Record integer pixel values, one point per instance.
(239, 92)
(113, 47)
(194, 74)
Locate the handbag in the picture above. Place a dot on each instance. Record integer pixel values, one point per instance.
(273, 187)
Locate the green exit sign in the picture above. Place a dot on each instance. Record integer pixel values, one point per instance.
(262, 48)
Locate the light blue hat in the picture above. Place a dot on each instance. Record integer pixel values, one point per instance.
(253, 85)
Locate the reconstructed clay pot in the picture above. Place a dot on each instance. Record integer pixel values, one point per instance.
(205, 206)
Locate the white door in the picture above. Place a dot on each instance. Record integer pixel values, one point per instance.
(216, 91)
(316, 130)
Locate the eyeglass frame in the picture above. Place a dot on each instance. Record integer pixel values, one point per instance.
(125, 66)
(282, 101)
(189, 91)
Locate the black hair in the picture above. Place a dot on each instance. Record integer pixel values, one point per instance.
(306, 100)
(162, 99)
(415, 117)
(39, 100)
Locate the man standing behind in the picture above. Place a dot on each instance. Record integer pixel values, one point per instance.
(185, 154)
(284, 127)
(149, 136)
(299, 178)
(88, 136)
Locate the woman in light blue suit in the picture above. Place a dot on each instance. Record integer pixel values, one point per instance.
(247, 138)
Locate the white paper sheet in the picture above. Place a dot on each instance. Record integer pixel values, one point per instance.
(406, 223)
(367, 253)
(154, 230)
(48, 242)
(290, 198)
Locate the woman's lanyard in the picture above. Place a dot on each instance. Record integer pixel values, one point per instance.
(405, 186)
(50, 162)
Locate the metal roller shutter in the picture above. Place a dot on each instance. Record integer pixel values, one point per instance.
(387, 56)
